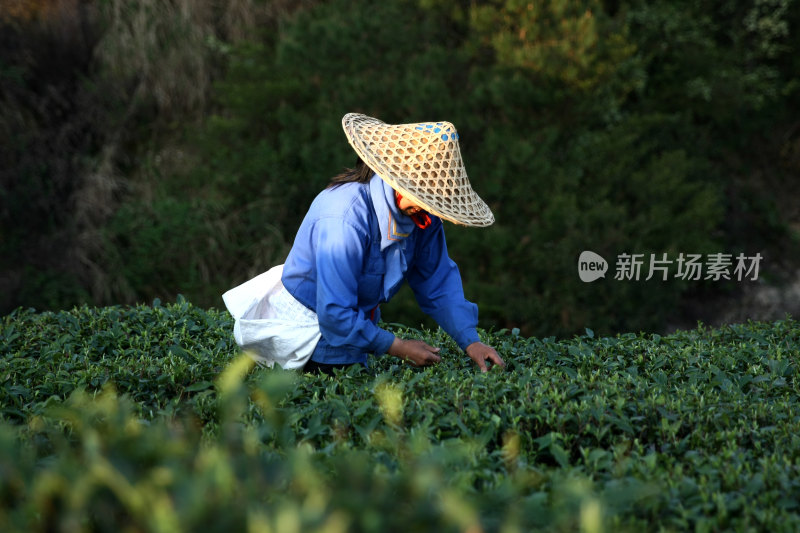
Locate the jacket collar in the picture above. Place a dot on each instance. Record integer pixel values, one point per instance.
(395, 226)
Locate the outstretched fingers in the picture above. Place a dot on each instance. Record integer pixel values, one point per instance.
(480, 353)
(496, 359)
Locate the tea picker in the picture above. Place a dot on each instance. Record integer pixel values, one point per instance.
(373, 228)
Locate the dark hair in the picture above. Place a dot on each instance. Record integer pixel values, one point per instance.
(360, 173)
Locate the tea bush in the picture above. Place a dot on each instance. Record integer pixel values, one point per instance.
(146, 419)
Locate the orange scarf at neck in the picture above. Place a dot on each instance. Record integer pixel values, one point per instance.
(421, 219)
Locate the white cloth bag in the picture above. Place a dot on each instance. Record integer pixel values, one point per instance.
(270, 324)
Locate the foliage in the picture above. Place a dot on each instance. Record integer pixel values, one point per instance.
(90, 95)
(144, 418)
(46, 126)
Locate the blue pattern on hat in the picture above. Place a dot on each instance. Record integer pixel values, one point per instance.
(450, 134)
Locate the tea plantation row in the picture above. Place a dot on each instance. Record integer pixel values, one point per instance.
(145, 419)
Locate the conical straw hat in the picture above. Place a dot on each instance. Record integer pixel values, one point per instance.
(423, 162)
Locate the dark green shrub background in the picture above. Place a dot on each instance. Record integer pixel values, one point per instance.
(187, 156)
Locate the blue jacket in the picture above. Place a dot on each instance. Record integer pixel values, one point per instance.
(352, 252)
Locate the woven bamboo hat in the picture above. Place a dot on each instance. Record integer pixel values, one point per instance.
(423, 162)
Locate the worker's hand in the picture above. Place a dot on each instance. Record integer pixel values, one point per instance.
(417, 352)
(480, 353)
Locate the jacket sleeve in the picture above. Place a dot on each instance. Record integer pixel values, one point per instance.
(436, 283)
(339, 256)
